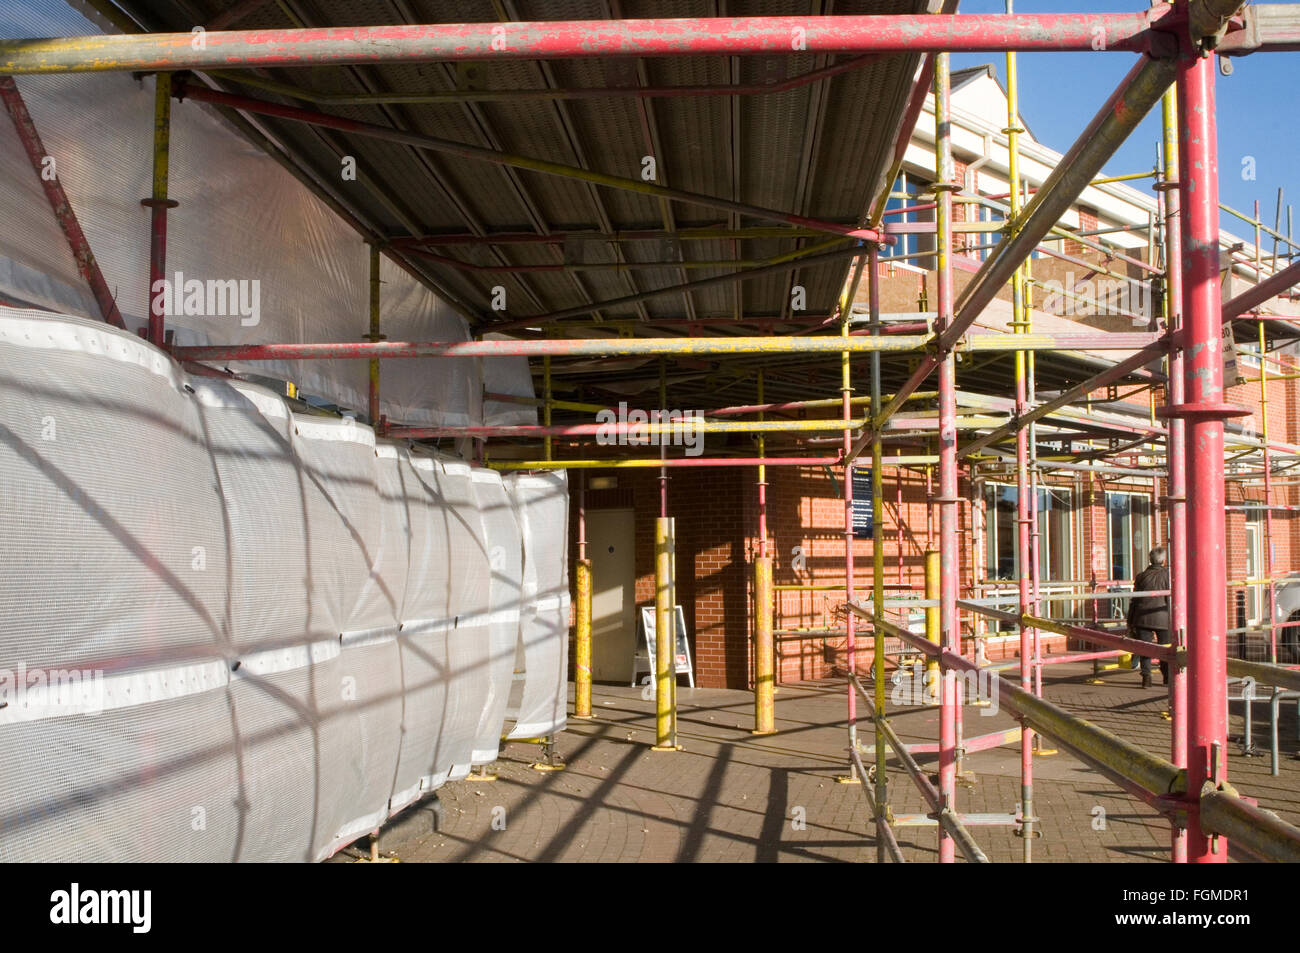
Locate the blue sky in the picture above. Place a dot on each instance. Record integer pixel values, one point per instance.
(1061, 92)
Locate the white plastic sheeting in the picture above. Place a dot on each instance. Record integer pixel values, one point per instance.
(541, 503)
(231, 631)
(505, 559)
(242, 219)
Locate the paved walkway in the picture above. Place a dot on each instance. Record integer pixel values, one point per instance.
(730, 796)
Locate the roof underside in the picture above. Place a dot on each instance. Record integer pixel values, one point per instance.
(822, 149)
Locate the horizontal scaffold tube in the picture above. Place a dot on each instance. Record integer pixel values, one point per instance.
(1249, 827)
(649, 462)
(1252, 298)
(619, 347)
(694, 425)
(567, 39)
(1265, 673)
(1090, 742)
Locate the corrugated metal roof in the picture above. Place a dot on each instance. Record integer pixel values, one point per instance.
(821, 149)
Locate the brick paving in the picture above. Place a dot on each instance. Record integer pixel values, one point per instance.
(729, 796)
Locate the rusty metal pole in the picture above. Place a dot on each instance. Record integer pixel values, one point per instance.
(948, 499)
(158, 203)
(374, 335)
(979, 559)
(582, 613)
(1176, 461)
(1205, 412)
(877, 553)
(47, 171)
(547, 396)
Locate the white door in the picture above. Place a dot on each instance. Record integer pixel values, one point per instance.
(611, 546)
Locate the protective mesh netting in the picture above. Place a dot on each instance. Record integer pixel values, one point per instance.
(229, 631)
(541, 503)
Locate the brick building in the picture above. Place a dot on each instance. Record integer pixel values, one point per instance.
(1094, 528)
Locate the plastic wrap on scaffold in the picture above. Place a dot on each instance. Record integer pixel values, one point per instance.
(115, 735)
(505, 555)
(467, 647)
(541, 502)
(371, 660)
(427, 618)
(266, 607)
(258, 256)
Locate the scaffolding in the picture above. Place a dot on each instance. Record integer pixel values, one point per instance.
(1178, 47)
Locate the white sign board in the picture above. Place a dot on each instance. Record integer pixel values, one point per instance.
(644, 662)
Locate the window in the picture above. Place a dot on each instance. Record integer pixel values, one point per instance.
(1256, 568)
(1128, 523)
(911, 184)
(1055, 553)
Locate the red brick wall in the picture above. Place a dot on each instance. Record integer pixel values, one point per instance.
(717, 521)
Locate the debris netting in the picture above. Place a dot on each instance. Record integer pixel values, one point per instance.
(253, 257)
(232, 630)
(541, 502)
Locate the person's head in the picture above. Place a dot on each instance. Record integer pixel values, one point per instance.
(1159, 555)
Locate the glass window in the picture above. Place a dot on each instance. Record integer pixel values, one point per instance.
(1055, 549)
(910, 184)
(1128, 519)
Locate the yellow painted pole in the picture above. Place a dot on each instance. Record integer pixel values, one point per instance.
(582, 643)
(158, 203)
(932, 585)
(1020, 327)
(665, 639)
(764, 650)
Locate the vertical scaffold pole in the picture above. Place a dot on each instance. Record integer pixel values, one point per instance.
(582, 613)
(546, 406)
(877, 548)
(1023, 548)
(373, 403)
(1205, 412)
(1268, 499)
(948, 500)
(1176, 456)
(764, 640)
(933, 593)
(1268, 466)
(979, 558)
(665, 640)
(158, 203)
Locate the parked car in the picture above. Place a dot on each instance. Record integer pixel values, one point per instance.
(1288, 610)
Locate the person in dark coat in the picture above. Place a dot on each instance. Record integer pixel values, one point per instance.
(1148, 616)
